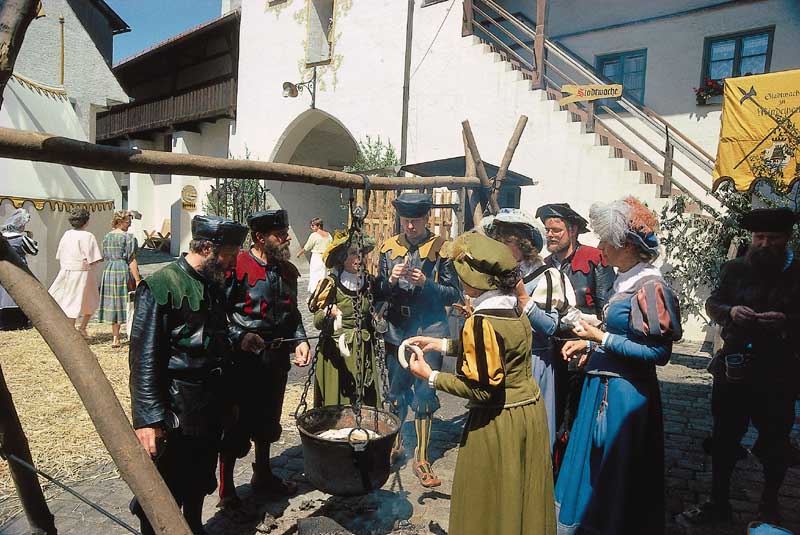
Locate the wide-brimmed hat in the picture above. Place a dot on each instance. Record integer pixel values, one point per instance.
(218, 230)
(563, 211)
(341, 243)
(769, 220)
(513, 217)
(480, 261)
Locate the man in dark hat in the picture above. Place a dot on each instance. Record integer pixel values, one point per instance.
(262, 300)
(591, 278)
(755, 373)
(178, 357)
(417, 283)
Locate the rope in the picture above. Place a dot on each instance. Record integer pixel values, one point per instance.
(11, 457)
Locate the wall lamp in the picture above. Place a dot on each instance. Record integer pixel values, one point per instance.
(291, 90)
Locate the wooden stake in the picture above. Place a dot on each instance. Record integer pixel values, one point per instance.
(487, 201)
(23, 145)
(94, 389)
(473, 209)
(513, 143)
(15, 17)
(14, 442)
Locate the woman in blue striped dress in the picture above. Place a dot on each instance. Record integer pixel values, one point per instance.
(612, 478)
(120, 274)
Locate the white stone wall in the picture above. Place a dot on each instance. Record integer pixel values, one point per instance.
(88, 79)
(158, 197)
(675, 56)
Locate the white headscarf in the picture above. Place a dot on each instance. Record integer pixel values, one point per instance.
(16, 221)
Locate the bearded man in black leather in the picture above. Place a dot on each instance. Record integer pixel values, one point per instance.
(178, 357)
(262, 302)
(755, 373)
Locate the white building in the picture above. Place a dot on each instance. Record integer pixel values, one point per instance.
(39, 98)
(411, 71)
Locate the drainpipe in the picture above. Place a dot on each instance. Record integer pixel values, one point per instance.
(61, 24)
(406, 83)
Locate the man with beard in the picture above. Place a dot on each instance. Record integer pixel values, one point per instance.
(262, 300)
(178, 356)
(592, 279)
(417, 283)
(755, 373)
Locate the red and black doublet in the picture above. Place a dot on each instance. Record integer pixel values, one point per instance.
(590, 276)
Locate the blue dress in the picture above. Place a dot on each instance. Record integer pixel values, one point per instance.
(612, 478)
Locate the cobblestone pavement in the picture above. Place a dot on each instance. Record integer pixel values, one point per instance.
(403, 506)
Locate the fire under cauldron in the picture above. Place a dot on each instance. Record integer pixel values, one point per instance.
(347, 468)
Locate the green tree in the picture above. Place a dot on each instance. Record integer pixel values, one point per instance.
(373, 154)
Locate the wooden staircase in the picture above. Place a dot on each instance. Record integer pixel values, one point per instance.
(650, 145)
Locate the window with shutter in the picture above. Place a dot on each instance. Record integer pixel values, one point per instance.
(320, 32)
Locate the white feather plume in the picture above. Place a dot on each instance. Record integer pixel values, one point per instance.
(610, 221)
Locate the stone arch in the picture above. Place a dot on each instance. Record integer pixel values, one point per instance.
(314, 138)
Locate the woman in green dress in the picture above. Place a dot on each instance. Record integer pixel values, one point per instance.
(334, 304)
(120, 275)
(503, 482)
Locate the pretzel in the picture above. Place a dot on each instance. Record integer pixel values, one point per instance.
(401, 353)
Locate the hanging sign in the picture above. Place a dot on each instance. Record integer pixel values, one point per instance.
(581, 93)
(189, 198)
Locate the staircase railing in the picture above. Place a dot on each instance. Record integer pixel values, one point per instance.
(642, 137)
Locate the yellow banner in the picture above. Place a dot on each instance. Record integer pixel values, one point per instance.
(760, 132)
(580, 93)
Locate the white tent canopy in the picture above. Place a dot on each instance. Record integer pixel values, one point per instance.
(48, 190)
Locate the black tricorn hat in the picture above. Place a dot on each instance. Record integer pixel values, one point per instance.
(563, 211)
(218, 230)
(413, 204)
(769, 220)
(267, 220)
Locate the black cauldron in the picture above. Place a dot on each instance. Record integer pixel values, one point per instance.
(337, 467)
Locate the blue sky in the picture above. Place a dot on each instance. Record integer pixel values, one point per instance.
(152, 21)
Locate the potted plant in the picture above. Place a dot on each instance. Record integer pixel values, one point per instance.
(708, 89)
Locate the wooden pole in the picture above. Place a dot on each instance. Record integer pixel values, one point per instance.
(14, 442)
(538, 44)
(473, 209)
(15, 17)
(468, 20)
(513, 143)
(23, 145)
(94, 389)
(487, 201)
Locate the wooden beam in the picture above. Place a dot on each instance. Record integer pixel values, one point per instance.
(15, 17)
(538, 44)
(513, 143)
(472, 204)
(14, 442)
(96, 392)
(38, 147)
(487, 201)
(468, 20)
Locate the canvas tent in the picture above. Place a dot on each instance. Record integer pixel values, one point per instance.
(48, 190)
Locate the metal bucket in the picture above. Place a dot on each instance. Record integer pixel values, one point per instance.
(737, 368)
(335, 466)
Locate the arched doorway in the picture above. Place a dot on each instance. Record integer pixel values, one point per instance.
(315, 139)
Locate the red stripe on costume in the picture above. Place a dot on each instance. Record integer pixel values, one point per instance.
(246, 266)
(583, 259)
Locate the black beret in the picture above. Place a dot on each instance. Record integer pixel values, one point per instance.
(218, 230)
(267, 220)
(413, 204)
(769, 220)
(563, 211)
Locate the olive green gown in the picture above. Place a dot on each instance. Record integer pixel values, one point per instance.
(335, 377)
(503, 482)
